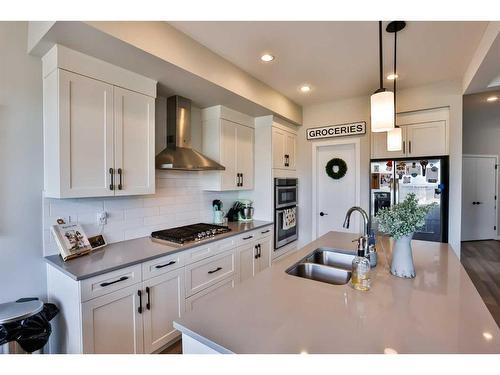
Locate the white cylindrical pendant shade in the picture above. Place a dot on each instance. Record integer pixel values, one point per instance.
(382, 110)
(394, 140)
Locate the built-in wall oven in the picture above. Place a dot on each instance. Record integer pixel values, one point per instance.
(285, 211)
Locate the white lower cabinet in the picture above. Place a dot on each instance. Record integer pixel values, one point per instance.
(112, 323)
(132, 309)
(164, 302)
(255, 256)
(193, 301)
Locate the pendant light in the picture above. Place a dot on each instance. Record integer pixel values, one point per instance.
(382, 101)
(395, 136)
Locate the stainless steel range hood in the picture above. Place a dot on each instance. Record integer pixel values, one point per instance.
(178, 154)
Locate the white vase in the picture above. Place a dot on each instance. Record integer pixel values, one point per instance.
(402, 258)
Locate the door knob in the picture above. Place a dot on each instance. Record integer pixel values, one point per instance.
(322, 213)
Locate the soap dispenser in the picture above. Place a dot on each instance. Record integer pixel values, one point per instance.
(360, 277)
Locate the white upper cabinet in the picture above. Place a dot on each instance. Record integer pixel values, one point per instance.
(78, 138)
(426, 139)
(425, 134)
(98, 137)
(379, 146)
(228, 138)
(134, 143)
(284, 148)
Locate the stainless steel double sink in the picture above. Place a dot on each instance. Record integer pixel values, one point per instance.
(327, 265)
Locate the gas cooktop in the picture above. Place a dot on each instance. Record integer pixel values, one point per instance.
(189, 233)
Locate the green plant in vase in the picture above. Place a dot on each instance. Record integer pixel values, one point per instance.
(400, 221)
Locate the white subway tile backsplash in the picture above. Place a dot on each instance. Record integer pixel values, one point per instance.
(179, 200)
(134, 213)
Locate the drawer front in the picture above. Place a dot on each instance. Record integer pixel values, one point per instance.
(209, 250)
(162, 265)
(193, 301)
(246, 237)
(264, 232)
(109, 282)
(205, 273)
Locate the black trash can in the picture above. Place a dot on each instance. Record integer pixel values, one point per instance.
(25, 325)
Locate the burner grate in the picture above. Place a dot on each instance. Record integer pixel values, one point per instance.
(188, 233)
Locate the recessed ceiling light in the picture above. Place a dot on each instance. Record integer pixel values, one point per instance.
(492, 98)
(267, 57)
(392, 76)
(305, 88)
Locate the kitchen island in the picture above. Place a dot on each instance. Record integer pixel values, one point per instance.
(439, 311)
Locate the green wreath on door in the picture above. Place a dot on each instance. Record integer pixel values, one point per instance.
(336, 168)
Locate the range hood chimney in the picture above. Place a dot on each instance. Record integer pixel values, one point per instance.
(178, 154)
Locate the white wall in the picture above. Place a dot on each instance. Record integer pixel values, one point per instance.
(358, 109)
(22, 271)
(482, 129)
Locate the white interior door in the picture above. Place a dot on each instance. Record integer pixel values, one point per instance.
(335, 197)
(478, 198)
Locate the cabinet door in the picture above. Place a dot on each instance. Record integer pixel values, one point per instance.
(134, 143)
(86, 136)
(228, 155)
(279, 145)
(112, 323)
(248, 263)
(266, 248)
(379, 146)
(244, 155)
(426, 139)
(164, 302)
(290, 151)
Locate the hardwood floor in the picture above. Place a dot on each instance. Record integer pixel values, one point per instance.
(481, 260)
(175, 348)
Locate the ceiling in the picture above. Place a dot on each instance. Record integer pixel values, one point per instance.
(339, 59)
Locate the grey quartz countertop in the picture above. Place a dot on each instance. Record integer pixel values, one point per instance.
(127, 253)
(439, 311)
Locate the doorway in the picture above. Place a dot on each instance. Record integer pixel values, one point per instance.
(333, 197)
(479, 186)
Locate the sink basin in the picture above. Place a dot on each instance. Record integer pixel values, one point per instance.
(331, 257)
(319, 272)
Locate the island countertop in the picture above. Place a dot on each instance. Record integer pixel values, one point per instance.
(126, 253)
(439, 311)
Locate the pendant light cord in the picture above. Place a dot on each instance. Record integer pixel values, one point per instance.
(395, 75)
(380, 54)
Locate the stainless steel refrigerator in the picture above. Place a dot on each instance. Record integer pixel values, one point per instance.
(392, 180)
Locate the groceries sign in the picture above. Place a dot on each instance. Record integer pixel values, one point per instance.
(353, 128)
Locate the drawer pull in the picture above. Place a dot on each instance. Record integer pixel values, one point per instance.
(247, 238)
(215, 270)
(166, 264)
(266, 231)
(123, 278)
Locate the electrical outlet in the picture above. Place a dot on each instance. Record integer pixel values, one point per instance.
(102, 218)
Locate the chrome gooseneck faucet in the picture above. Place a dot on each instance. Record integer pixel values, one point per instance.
(366, 225)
